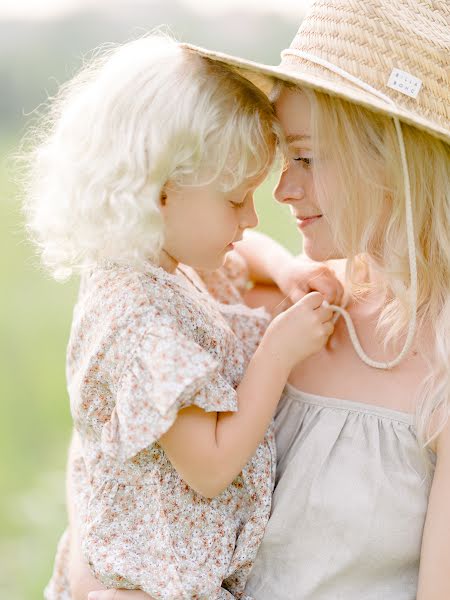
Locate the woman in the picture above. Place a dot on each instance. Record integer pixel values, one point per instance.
(363, 484)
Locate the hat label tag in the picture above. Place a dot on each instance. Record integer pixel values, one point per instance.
(405, 83)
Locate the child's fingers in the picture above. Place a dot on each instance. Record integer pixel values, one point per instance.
(328, 328)
(313, 300)
(325, 313)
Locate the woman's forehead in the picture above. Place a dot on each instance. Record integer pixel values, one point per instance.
(294, 112)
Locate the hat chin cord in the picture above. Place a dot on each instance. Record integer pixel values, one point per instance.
(409, 219)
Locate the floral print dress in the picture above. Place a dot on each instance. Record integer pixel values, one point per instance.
(143, 345)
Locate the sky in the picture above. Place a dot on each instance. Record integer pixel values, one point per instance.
(44, 9)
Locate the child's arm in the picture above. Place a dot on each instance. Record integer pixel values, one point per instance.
(264, 257)
(270, 264)
(210, 449)
(434, 574)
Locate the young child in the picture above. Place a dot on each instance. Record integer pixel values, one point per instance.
(143, 184)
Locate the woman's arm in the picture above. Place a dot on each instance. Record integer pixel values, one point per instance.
(81, 580)
(270, 265)
(434, 574)
(264, 257)
(84, 586)
(112, 594)
(268, 296)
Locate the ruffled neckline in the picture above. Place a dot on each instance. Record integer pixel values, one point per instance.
(349, 405)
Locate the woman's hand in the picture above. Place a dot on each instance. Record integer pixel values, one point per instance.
(270, 264)
(119, 595)
(300, 276)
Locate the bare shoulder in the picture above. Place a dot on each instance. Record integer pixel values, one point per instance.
(339, 266)
(358, 267)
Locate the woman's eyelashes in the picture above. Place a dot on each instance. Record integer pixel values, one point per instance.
(306, 161)
(300, 156)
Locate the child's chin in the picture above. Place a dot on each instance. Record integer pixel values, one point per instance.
(211, 265)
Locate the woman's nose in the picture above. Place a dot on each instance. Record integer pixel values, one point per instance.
(288, 189)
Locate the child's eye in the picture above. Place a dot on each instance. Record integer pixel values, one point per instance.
(236, 204)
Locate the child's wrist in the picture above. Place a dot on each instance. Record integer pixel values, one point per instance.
(272, 355)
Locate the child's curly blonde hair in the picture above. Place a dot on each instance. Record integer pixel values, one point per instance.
(138, 116)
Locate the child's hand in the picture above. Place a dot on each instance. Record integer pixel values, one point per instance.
(302, 330)
(119, 595)
(300, 276)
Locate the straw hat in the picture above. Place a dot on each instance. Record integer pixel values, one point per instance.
(391, 56)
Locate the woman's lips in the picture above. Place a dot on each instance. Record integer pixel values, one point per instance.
(303, 222)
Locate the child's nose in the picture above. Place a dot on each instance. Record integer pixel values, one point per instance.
(249, 216)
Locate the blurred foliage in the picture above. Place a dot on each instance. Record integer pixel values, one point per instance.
(35, 312)
(36, 56)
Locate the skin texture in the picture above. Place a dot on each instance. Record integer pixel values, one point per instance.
(200, 222)
(296, 184)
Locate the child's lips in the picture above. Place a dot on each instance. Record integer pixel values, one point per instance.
(232, 244)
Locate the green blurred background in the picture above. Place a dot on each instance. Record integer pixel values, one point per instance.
(35, 312)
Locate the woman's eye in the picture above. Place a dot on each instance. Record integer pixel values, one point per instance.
(308, 162)
(236, 204)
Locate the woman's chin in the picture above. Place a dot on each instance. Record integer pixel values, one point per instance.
(320, 253)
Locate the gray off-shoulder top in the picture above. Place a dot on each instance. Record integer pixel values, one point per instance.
(349, 504)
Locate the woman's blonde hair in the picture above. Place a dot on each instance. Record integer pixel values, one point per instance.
(366, 210)
(138, 116)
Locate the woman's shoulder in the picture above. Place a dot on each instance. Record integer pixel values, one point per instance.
(344, 267)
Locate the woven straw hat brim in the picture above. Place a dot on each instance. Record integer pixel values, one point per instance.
(265, 76)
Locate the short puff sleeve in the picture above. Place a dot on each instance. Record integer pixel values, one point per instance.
(166, 372)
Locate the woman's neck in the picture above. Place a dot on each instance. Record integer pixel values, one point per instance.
(369, 293)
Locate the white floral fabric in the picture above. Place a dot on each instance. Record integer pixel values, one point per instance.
(143, 345)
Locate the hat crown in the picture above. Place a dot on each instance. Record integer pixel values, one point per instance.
(370, 39)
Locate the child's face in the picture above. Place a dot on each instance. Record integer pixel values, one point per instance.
(296, 184)
(202, 222)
